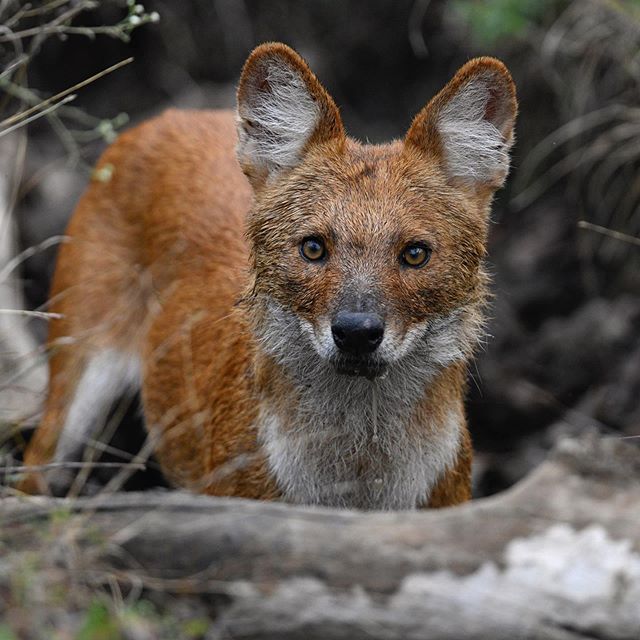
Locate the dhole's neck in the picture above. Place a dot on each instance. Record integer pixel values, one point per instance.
(351, 442)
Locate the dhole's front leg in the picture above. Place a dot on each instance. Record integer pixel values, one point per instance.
(65, 369)
(455, 485)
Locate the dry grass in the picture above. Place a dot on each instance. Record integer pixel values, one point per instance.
(51, 587)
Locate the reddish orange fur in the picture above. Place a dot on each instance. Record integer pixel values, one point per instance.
(157, 263)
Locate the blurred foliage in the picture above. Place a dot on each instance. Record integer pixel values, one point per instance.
(98, 624)
(493, 21)
(498, 20)
(6, 634)
(59, 590)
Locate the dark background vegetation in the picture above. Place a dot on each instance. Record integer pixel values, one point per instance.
(563, 352)
(562, 355)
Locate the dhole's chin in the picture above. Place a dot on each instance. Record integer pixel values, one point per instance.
(360, 367)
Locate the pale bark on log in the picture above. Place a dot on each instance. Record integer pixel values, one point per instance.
(555, 558)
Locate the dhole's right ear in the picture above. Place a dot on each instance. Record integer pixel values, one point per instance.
(282, 110)
(469, 125)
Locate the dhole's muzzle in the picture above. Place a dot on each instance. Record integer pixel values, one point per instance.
(357, 336)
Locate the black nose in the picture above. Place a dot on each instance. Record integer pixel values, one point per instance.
(357, 333)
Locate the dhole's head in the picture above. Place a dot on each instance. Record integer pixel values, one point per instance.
(363, 256)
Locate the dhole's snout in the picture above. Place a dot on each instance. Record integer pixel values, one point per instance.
(357, 334)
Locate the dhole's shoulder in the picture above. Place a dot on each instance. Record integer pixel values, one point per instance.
(194, 121)
(174, 152)
(181, 128)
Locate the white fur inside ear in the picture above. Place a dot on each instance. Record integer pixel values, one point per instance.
(277, 120)
(475, 149)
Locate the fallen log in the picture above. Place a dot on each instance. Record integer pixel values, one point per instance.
(557, 557)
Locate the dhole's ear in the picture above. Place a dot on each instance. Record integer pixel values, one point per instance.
(469, 124)
(282, 110)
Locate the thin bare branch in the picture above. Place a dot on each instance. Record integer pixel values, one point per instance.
(20, 116)
(416, 20)
(136, 466)
(44, 315)
(38, 115)
(28, 253)
(624, 237)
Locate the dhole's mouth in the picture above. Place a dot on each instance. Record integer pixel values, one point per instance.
(364, 367)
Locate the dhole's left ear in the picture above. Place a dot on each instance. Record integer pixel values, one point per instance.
(469, 125)
(282, 111)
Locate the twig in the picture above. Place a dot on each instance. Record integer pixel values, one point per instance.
(45, 315)
(66, 92)
(624, 237)
(48, 8)
(416, 37)
(13, 65)
(35, 116)
(28, 253)
(73, 465)
(56, 26)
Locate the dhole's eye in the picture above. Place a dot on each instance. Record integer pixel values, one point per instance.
(313, 249)
(415, 255)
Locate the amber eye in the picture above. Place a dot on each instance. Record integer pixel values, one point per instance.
(415, 255)
(313, 249)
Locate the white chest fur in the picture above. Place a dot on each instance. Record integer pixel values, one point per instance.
(355, 443)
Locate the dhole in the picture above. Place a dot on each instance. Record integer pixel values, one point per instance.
(297, 308)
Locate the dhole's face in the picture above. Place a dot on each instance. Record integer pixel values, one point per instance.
(364, 258)
(367, 257)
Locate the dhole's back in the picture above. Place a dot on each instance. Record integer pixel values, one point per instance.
(160, 229)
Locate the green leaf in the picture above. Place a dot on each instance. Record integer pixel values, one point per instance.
(497, 20)
(6, 633)
(99, 624)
